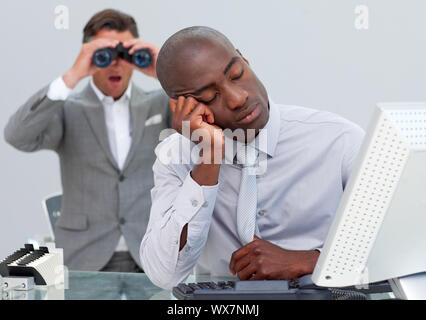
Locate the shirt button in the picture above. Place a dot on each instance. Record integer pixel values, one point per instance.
(205, 204)
(261, 212)
(194, 203)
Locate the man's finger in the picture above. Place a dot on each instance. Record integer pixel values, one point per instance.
(189, 106)
(242, 263)
(237, 255)
(202, 114)
(247, 272)
(172, 104)
(258, 276)
(139, 46)
(203, 110)
(180, 104)
(209, 115)
(129, 43)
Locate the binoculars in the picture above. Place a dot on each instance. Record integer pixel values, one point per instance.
(102, 58)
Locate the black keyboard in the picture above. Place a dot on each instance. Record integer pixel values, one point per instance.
(248, 290)
(297, 289)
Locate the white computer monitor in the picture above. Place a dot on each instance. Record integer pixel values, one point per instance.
(379, 230)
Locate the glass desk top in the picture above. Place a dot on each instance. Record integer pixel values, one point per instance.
(85, 285)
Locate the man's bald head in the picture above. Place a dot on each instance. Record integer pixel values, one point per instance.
(201, 63)
(183, 49)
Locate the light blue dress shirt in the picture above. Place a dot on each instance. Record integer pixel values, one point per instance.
(309, 158)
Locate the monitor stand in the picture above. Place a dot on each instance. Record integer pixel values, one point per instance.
(411, 287)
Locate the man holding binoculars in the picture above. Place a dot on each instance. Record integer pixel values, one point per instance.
(105, 137)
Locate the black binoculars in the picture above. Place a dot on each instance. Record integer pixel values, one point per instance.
(102, 58)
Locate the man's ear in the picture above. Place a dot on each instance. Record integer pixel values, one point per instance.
(246, 61)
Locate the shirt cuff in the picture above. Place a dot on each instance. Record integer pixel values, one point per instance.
(58, 90)
(193, 198)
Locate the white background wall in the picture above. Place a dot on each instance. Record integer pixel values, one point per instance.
(307, 52)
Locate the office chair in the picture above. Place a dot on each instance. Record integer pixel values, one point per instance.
(52, 209)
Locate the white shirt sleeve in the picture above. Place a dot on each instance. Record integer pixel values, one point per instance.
(58, 90)
(352, 144)
(176, 201)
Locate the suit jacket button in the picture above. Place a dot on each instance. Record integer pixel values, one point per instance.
(122, 221)
(121, 178)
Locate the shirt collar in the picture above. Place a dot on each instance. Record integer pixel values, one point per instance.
(101, 96)
(267, 139)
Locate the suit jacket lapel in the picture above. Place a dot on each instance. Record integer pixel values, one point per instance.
(94, 111)
(138, 112)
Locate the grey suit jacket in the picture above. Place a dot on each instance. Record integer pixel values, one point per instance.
(100, 202)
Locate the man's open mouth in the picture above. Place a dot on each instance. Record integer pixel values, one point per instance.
(115, 79)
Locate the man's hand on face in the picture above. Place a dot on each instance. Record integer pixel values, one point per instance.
(83, 65)
(260, 260)
(137, 44)
(201, 124)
